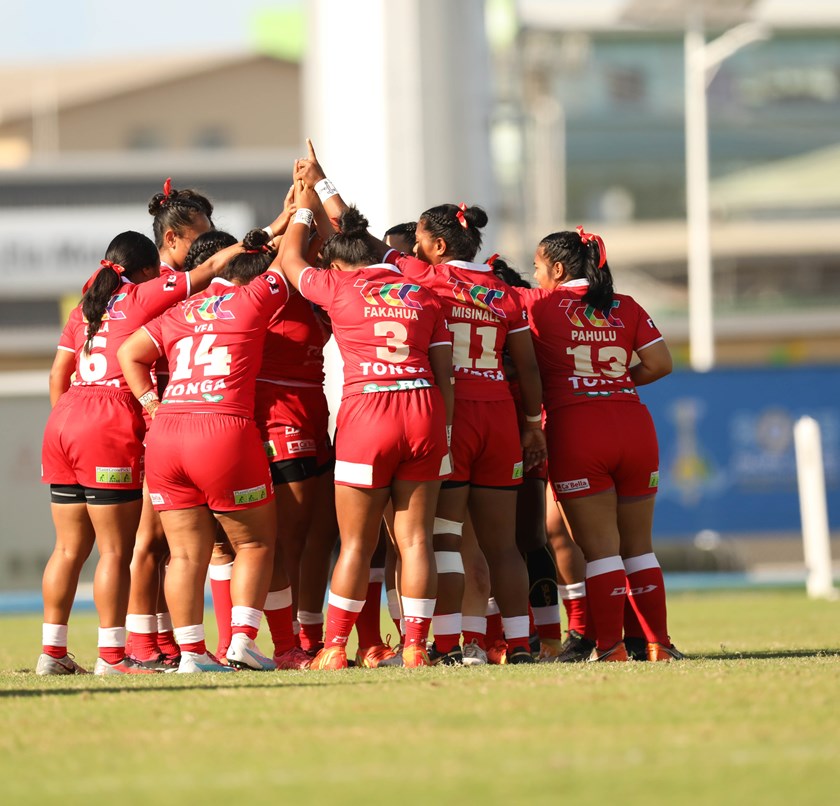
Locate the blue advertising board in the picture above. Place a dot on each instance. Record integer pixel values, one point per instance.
(727, 459)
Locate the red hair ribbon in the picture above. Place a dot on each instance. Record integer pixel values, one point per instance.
(492, 259)
(462, 219)
(167, 189)
(264, 248)
(588, 237)
(103, 264)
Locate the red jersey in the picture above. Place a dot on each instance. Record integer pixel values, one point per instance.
(383, 326)
(131, 306)
(583, 353)
(214, 343)
(481, 311)
(294, 346)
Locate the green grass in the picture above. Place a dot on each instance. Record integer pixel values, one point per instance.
(752, 717)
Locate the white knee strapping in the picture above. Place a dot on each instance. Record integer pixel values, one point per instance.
(449, 562)
(445, 527)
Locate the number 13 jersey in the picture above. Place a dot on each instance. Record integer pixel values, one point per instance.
(583, 353)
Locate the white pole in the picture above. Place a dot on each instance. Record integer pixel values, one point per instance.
(814, 510)
(700, 321)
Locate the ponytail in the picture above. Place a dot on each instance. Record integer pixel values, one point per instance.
(583, 256)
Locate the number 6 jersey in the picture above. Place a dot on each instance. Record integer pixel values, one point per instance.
(214, 342)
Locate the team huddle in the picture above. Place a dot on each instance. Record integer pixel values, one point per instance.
(491, 455)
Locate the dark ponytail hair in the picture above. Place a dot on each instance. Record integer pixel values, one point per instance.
(580, 260)
(351, 244)
(177, 210)
(256, 258)
(459, 226)
(205, 246)
(406, 231)
(128, 254)
(506, 273)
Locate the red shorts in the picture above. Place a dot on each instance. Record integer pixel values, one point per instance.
(293, 422)
(213, 459)
(486, 448)
(94, 438)
(382, 436)
(594, 447)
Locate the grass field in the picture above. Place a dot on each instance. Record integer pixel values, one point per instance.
(752, 717)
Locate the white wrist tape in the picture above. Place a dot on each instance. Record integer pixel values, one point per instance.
(149, 397)
(268, 231)
(303, 216)
(325, 190)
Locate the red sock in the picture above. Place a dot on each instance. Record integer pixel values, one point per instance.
(606, 593)
(447, 631)
(547, 622)
(222, 605)
(54, 640)
(278, 614)
(418, 620)
(166, 643)
(112, 654)
(54, 651)
(474, 629)
(494, 628)
(647, 597)
(368, 622)
(198, 647)
(341, 616)
(311, 630)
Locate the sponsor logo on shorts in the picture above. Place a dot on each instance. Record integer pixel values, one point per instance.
(291, 431)
(517, 471)
(654, 479)
(251, 495)
(113, 475)
(571, 486)
(156, 498)
(401, 385)
(300, 445)
(270, 448)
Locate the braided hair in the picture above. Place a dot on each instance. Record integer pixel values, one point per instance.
(459, 226)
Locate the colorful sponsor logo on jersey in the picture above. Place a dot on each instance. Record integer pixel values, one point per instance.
(207, 309)
(480, 296)
(582, 315)
(397, 295)
(113, 475)
(654, 479)
(571, 486)
(518, 471)
(110, 312)
(251, 495)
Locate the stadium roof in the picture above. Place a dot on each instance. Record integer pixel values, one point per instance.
(72, 83)
(613, 15)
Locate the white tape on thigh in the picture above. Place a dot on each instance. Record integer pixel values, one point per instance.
(449, 562)
(445, 527)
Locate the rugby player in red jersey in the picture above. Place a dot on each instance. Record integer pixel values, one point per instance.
(179, 217)
(205, 460)
(391, 428)
(92, 454)
(602, 448)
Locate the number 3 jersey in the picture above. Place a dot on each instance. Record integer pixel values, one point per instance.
(128, 309)
(384, 326)
(214, 343)
(481, 311)
(583, 353)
